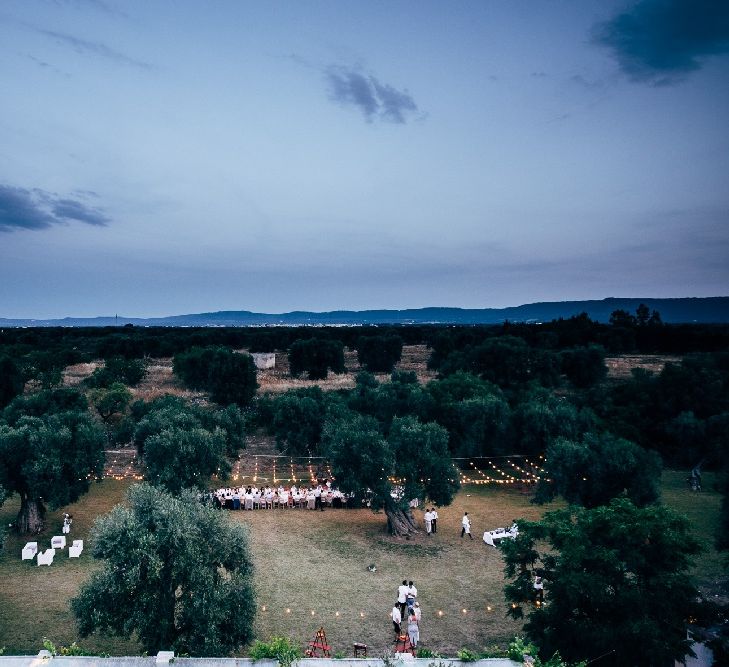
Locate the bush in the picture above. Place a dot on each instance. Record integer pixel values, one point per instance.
(316, 357)
(379, 354)
(426, 653)
(282, 649)
(519, 647)
(467, 656)
(118, 369)
(228, 376)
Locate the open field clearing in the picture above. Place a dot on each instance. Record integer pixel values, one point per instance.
(312, 561)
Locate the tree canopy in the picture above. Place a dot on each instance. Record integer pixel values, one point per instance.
(412, 463)
(316, 357)
(597, 468)
(379, 354)
(616, 579)
(230, 377)
(49, 459)
(176, 573)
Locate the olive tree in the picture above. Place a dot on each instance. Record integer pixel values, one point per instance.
(176, 574)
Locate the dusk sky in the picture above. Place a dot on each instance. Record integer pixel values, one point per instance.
(162, 157)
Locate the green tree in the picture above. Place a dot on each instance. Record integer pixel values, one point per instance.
(584, 366)
(298, 419)
(12, 380)
(49, 459)
(230, 377)
(173, 412)
(118, 369)
(616, 579)
(179, 458)
(540, 417)
(379, 354)
(315, 357)
(598, 468)
(111, 401)
(416, 455)
(45, 368)
(176, 574)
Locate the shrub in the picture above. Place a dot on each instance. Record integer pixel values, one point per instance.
(467, 656)
(282, 649)
(519, 647)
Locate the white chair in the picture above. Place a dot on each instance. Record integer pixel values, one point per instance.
(29, 551)
(58, 542)
(74, 551)
(46, 558)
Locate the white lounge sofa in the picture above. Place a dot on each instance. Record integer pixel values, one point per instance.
(58, 542)
(29, 551)
(46, 558)
(74, 551)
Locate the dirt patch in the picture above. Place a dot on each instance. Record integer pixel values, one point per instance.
(619, 368)
(77, 373)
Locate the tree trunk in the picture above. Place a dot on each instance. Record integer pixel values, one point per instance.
(30, 517)
(400, 522)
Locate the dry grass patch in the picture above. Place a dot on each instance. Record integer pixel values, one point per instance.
(77, 373)
(160, 381)
(277, 380)
(619, 368)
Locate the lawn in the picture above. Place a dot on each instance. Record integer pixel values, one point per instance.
(317, 562)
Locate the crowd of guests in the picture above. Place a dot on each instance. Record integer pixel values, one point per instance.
(314, 497)
(407, 611)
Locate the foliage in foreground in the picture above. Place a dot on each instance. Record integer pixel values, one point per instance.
(616, 583)
(283, 649)
(176, 573)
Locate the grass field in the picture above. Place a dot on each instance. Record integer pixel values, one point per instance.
(317, 562)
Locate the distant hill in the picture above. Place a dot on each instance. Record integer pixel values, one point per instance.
(700, 310)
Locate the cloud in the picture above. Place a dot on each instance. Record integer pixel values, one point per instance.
(84, 46)
(376, 100)
(37, 209)
(660, 42)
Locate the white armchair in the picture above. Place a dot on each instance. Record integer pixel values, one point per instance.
(46, 558)
(58, 542)
(74, 551)
(29, 551)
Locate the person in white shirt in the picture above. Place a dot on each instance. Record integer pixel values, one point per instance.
(434, 519)
(402, 596)
(417, 612)
(466, 526)
(411, 595)
(428, 518)
(396, 618)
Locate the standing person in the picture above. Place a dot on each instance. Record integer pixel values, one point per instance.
(396, 618)
(434, 519)
(402, 596)
(538, 589)
(466, 526)
(418, 613)
(411, 595)
(317, 498)
(413, 630)
(428, 518)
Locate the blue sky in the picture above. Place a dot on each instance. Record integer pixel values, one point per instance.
(173, 157)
